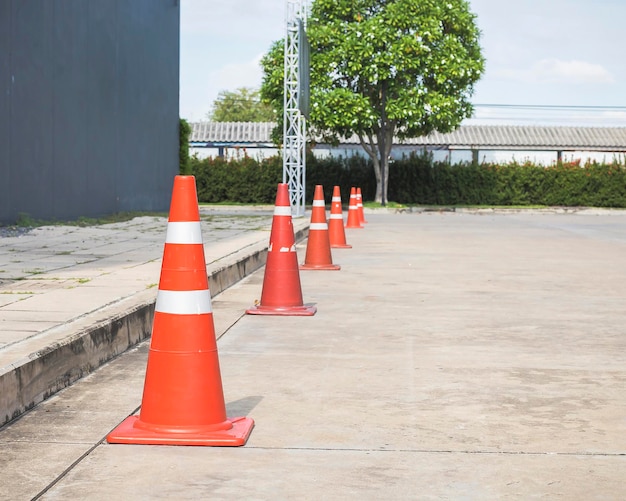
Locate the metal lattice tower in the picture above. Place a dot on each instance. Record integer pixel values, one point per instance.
(294, 128)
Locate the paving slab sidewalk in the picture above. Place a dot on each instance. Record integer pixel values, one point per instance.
(454, 356)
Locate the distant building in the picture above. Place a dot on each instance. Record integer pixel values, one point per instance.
(88, 107)
(481, 143)
(232, 140)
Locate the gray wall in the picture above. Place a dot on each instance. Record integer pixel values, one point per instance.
(88, 106)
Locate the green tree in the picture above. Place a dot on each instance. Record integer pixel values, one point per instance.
(385, 68)
(241, 105)
(272, 88)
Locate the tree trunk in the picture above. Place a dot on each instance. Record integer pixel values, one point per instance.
(385, 182)
(384, 139)
(389, 133)
(372, 148)
(382, 147)
(378, 147)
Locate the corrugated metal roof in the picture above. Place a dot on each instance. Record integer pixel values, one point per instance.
(499, 137)
(231, 132)
(528, 137)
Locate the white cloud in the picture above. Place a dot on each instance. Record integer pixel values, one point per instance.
(554, 70)
(220, 44)
(615, 117)
(558, 71)
(197, 95)
(235, 75)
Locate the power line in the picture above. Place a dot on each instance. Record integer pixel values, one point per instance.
(547, 114)
(549, 107)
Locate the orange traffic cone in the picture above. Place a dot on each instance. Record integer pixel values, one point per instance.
(359, 204)
(336, 233)
(354, 221)
(183, 401)
(318, 254)
(282, 292)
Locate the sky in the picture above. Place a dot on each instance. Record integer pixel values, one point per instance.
(548, 62)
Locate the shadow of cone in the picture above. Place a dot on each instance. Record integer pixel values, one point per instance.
(354, 221)
(336, 233)
(183, 400)
(359, 204)
(282, 292)
(318, 253)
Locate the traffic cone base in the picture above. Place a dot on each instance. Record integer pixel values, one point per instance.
(305, 310)
(131, 432)
(320, 266)
(340, 246)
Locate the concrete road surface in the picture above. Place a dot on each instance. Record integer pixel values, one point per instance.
(453, 356)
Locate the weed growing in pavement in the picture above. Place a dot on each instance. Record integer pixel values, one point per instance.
(34, 271)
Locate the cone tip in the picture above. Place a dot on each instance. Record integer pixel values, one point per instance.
(184, 180)
(184, 202)
(282, 195)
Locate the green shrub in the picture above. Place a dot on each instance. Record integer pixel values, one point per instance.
(242, 181)
(343, 172)
(250, 181)
(184, 131)
(418, 180)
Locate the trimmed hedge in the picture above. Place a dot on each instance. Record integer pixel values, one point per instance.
(342, 172)
(184, 131)
(253, 182)
(418, 180)
(243, 181)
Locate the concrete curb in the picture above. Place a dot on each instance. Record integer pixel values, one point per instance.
(35, 378)
(588, 211)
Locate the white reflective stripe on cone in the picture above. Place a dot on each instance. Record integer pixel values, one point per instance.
(336, 199)
(281, 210)
(352, 207)
(184, 233)
(318, 203)
(318, 226)
(184, 302)
(282, 249)
(336, 216)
